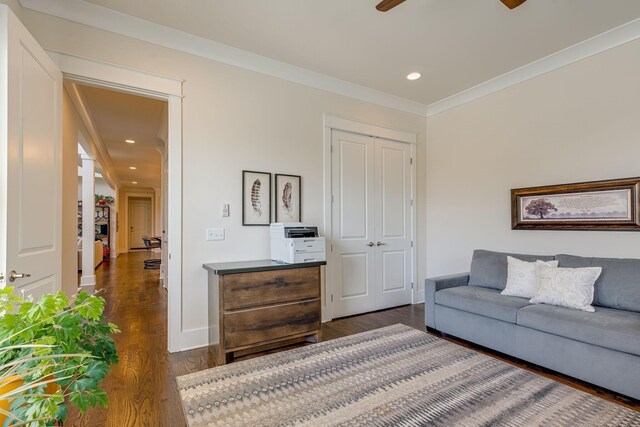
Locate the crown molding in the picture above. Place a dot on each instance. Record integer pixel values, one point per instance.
(119, 23)
(116, 22)
(585, 49)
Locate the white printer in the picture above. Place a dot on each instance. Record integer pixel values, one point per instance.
(294, 242)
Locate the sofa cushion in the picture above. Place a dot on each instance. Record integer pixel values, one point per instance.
(482, 301)
(619, 284)
(566, 287)
(606, 327)
(489, 269)
(522, 277)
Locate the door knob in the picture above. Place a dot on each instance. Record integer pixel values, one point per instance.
(371, 244)
(13, 275)
(380, 244)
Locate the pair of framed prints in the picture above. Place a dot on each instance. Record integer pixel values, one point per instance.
(256, 198)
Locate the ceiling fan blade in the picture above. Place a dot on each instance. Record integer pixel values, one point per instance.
(386, 5)
(512, 4)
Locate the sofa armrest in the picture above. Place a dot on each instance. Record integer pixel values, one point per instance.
(435, 284)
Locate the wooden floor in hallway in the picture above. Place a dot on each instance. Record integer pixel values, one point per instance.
(142, 389)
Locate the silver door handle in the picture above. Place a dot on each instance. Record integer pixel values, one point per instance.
(13, 275)
(380, 244)
(371, 244)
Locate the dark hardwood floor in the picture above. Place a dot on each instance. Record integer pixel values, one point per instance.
(142, 389)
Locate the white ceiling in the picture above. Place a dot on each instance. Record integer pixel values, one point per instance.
(119, 116)
(455, 44)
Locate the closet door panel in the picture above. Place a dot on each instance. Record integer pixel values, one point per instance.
(393, 223)
(352, 214)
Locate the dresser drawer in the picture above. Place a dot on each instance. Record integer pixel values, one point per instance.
(247, 290)
(262, 325)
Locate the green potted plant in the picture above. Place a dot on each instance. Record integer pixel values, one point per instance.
(54, 352)
(104, 200)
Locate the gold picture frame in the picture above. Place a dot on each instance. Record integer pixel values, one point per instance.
(595, 205)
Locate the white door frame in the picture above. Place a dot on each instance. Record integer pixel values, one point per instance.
(331, 123)
(123, 79)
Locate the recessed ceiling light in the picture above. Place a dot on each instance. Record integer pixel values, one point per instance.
(134, 182)
(414, 76)
(129, 141)
(132, 167)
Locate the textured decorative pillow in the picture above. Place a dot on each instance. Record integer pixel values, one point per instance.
(522, 277)
(566, 287)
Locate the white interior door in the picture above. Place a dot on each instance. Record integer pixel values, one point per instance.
(393, 257)
(139, 221)
(372, 258)
(30, 161)
(353, 233)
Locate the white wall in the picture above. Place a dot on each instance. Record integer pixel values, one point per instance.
(233, 119)
(578, 123)
(101, 187)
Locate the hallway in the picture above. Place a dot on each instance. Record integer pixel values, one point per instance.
(141, 388)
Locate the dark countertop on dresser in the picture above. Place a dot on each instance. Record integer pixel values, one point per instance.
(256, 265)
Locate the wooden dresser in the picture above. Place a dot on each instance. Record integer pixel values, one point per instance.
(254, 304)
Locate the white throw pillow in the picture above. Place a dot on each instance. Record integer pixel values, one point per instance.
(566, 287)
(522, 277)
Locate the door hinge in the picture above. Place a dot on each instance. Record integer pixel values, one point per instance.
(331, 297)
(332, 198)
(411, 202)
(331, 247)
(411, 285)
(411, 160)
(331, 148)
(412, 243)
(1, 277)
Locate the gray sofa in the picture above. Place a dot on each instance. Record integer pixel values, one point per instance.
(601, 348)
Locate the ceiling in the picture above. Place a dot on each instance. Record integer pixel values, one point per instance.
(119, 116)
(455, 44)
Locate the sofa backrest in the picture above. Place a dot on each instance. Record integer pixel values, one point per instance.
(489, 269)
(619, 283)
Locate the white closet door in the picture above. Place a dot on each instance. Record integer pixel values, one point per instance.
(353, 228)
(30, 161)
(392, 213)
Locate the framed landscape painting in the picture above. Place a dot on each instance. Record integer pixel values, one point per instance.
(256, 198)
(287, 198)
(597, 205)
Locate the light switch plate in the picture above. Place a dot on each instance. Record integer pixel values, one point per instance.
(225, 210)
(215, 233)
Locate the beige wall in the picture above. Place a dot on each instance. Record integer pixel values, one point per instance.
(578, 123)
(233, 119)
(71, 127)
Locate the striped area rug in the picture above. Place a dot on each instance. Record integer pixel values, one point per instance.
(393, 376)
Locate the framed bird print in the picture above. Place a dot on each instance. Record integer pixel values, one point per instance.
(287, 198)
(256, 198)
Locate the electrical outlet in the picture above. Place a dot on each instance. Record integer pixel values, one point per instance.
(215, 233)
